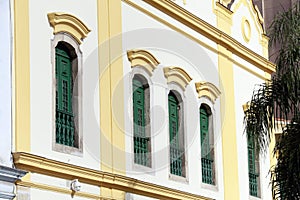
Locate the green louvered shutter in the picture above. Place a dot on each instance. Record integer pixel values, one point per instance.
(64, 86)
(252, 169)
(176, 154)
(141, 141)
(206, 158)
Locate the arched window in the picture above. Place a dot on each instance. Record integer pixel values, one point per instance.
(177, 158)
(141, 121)
(65, 73)
(253, 167)
(207, 150)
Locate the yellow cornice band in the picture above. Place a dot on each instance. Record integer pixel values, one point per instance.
(64, 22)
(42, 165)
(142, 58)
(30, 184)
(177, 75)
(207, 89)
(173, 10)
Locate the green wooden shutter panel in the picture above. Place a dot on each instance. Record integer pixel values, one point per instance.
(176, 153)
(206, 158)
(64, 116)
(253, 176)
(141, 141)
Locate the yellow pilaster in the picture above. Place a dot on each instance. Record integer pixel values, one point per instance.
(265, 46)
(21, 77)
(111, 87)
(229, 144)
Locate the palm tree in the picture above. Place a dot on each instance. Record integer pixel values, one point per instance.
(276, 104)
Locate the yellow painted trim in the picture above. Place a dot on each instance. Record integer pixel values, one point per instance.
(246, 106)
(209, 31)
(229, 141)
(265, 45)
(223, 13)
(224, 8)
(254, 13)
(246, 33)
(209, 47)
(40, 186)
(21, 76)
(42, 165)
(112, 137)
(259, 16)
(64, 22)
(142, 58)
(177, 75)
(207, 89)
(225, 2)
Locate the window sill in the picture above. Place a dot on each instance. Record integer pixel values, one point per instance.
(67, 149)
(209, 187)
(254, 198)
(178, 178)
(142, 169)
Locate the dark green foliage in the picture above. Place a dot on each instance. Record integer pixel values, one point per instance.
(276, 104)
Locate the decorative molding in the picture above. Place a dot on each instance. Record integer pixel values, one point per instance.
(254, 11)
(177, 75)
(4, 195)
(64, 22)
(170, 8)
(225, 3)
(42, 165)
(142, 58)
(246, 106)
(207, 89)
(246, 29)
(8, 178)
(205, 45)
(40, 186)
(10, 175)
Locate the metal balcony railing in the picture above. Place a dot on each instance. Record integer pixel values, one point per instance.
(207, 171)
(65, 132)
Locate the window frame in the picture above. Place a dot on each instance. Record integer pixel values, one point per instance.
(76, 99)
(211, 140)
(140, 71)
(257, 169)
(147, 119)
(214, 127)
(182, 99)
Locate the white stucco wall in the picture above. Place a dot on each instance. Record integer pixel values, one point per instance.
(201, 9)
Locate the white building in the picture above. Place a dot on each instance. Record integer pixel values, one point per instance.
(136, 99)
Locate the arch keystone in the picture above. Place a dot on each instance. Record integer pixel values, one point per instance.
(142, 58)
(64, 22)
(177, 75)
(207, 89)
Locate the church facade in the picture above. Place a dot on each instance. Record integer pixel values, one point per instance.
(132, 99)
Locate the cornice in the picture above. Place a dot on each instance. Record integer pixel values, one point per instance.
(177, 75)
(42, 165)
(207, 89)
(64, 22)
(142, 58)
(170, 8)
(11, 175)
(51, 188)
